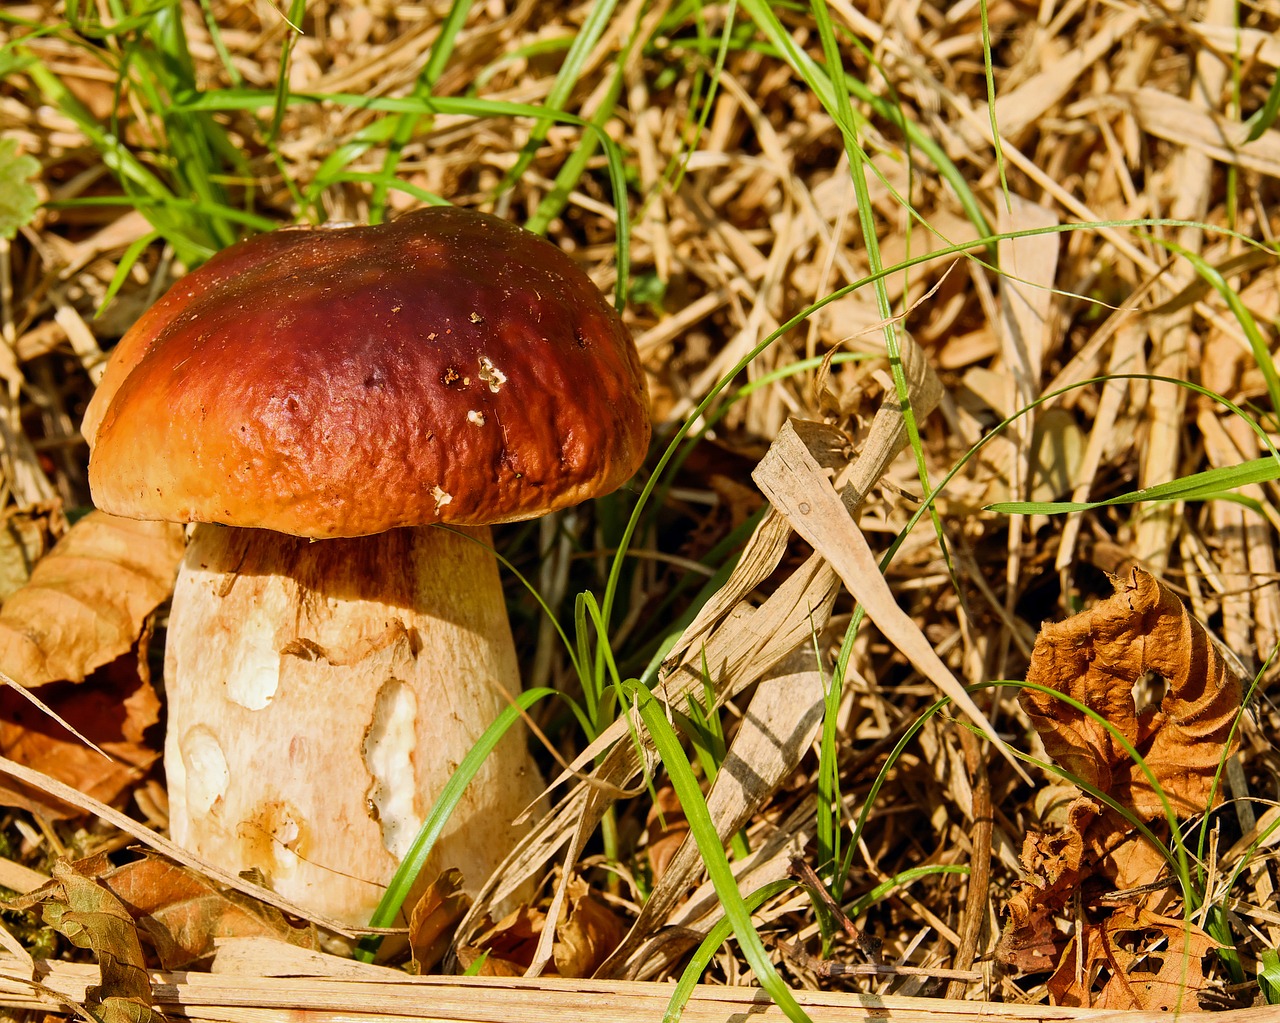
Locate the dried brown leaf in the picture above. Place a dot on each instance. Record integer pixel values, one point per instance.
(1135, 960)
(666, 828)
(1097, 657)
(26, 534)
(184, 914)
(86, 603)
(586, 934)
(113, 710)
(434, 917)
(507, 947)
(1034, 945)
(82, 909)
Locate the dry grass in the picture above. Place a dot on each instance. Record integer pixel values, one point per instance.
(1107, 113)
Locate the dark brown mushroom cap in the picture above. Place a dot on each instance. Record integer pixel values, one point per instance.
(445, 367)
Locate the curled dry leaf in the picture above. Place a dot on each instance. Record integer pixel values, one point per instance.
(80, 907)
(184, 914)
(585, 936)
(85, 613)
(1135, 960)
(434, 917)
(87, 601)
(1097, 657)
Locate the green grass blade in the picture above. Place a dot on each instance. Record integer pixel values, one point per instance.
(1200, 486)
(989, 72)
(406, 124)
(713, 855)
(566, 78)
(1265, 117)
(716, 937)
(398, 890)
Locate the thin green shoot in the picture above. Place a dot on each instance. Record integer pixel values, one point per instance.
(406, 874)
(989, 72)
(665, 740)
(405, 125)
(702, 724)
(566, 78)
(1210, 485)
(901, 880)
(717, 936)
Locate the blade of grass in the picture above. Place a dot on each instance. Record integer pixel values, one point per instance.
(716, 937)
(1200, 486)
(713, 856)
(424, 85)
(402, 881)
(567, 77)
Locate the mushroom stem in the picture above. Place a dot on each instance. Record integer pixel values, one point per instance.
(320, 696)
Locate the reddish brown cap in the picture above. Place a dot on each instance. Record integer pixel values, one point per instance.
(446, 367)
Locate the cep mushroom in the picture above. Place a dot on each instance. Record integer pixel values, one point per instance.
(319, 400)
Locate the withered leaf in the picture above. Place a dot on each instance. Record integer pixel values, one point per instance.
(89, 916)
(113, 709)
(1097, 657)
(1033, 945)
(183, 913)
(26, 534)
(508, 946)
(87, 601)
(666, 829)
(433, 918)
(1136, 959)
(586, 934)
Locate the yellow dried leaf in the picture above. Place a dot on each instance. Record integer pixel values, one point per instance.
(1097, 657)
(87, 601)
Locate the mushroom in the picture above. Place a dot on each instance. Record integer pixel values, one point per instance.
(319, 400)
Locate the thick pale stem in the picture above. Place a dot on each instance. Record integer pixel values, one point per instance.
(321, 694)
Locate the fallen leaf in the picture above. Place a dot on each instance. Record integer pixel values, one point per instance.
(113, 710)
(79, 907)
(184, 914)
(666, 828)
(1097, 657)
(87, 601)
(26, 534)
(1034, 945)
(585, 936)
(433, 918)
(1134, 960)
(507, 947)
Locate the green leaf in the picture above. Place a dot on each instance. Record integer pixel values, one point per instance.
(18, 199)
